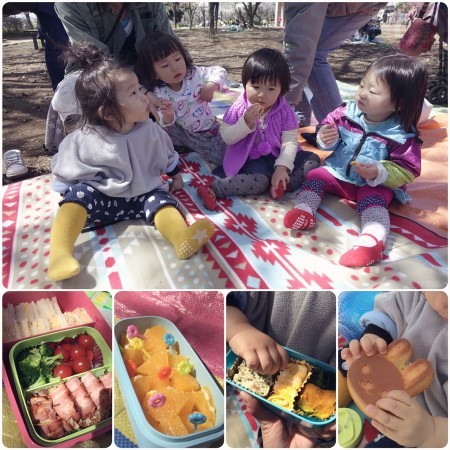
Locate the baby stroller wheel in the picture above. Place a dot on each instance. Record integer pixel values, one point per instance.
(437, 95)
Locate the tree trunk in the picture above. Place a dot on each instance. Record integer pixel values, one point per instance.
(28, 19)
(213, 17)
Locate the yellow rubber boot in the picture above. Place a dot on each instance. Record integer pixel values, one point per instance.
(186, 240)
(69, 221)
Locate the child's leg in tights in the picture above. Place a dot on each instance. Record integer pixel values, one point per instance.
(186, 240)
(69, 221)
(301, 217)
(240, 184)
(375, 225)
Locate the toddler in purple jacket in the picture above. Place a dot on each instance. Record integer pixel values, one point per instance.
(260, 129)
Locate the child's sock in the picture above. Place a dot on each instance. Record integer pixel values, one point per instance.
(187, 240)
(299, 219)
(208, 196)
(69, 221)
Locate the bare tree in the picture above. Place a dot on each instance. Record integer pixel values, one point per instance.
(192, 10)
(213, 17)
(251, 10)
(28, 19)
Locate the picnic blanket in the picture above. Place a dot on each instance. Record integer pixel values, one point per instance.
(251, 249)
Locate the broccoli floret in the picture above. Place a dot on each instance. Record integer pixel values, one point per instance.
(41, 380)
(29, 368)
(51, 361)
(45, 350)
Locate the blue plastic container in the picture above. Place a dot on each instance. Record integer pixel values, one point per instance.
(284, 413)
(146, 435)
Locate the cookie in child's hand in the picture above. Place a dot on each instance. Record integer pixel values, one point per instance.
(370, 378)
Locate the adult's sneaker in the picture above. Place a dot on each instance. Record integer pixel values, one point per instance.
(14, 164)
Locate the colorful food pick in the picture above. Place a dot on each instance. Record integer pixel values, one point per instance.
(133, 332)
(185, 367)
(138, 344)
(157, 400)
(196, 419)
(169, 340)
(164, 372)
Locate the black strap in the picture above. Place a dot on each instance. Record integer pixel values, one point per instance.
(423, 10)
(116, 23)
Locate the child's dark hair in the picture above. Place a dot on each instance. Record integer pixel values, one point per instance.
(156, 46)
(96, 85)
(407, 79)
(267, 65)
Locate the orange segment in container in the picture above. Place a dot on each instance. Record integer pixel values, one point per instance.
(173, 427)
(141, 385)
(204, 404)
(184, 382)
(173, 404)
(155, 339)
(133, 354)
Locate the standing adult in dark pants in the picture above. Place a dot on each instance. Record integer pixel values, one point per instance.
(51, 30)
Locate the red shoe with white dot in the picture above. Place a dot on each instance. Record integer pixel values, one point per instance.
(297, 219)
(359, 256)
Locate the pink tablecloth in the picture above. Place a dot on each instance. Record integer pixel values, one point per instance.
(199, 315)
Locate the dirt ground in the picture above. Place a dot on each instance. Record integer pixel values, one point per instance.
(27, 90)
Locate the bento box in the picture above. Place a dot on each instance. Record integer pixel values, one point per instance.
(25, 395)
(319, 371)
(146, 434)
(68, 301)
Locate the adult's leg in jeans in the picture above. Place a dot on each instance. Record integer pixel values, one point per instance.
(321, 81)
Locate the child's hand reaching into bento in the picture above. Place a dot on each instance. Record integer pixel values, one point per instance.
(401, 419)
(168, 111)
(260, 352)
(370, 344)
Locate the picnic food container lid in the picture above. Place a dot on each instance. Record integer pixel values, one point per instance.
(24, 394)
(147, 435)
(350, 428)
(291, 416)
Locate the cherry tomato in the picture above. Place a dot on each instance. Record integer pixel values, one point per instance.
(67, 340)
(67, 347)
(77, 351)
(89, 355)
(81, 365)
(63, 371)
(52, 345)
(64, 352)
(86, 341)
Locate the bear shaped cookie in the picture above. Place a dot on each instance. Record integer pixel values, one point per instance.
(370, 378)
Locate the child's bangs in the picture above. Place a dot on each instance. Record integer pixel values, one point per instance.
(164, 49)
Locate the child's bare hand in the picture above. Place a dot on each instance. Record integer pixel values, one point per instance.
(366, 171)
(168, 111)
(280, 174)
(252, 114)
(260, 352)
(177, 183)
(155, 102)
(328, 135)
(401, 419)
(207, 92)
(370, 344)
